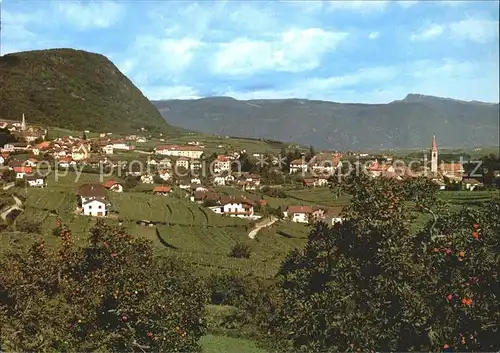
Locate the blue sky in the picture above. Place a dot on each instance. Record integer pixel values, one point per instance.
(344, 51)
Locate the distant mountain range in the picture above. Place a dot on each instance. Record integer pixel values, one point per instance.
(402, 124)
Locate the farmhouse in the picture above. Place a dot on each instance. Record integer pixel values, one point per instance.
(88, 192)
(298, 165)
(114, 186)
(471, 184)
(232, 207)
(31, 162)
(66, 162)
(180, 151)
(325, 163)
(333, 215)
(299, 214)
(21, 172)
(108, 149)
(95, 207)
(35, 181)
(162, 190)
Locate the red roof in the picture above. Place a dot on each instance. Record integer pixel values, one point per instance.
(162, 188)
(110, 183)
(27, 170)
(299, 209)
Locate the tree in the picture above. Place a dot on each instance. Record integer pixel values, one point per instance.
(84, 136)
(131, 182)
(371, 284)
(111, 295)
(9, 176)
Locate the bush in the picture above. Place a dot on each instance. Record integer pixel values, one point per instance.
(111, 295)
(240, 251)
(29, 226)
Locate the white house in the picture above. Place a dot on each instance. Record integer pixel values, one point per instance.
(31, 162)
(108, 149)
(299, 214)
(325, 166)
(147, 179)
(66, 163)
(222, 164)
(298, 165)
(241, 209)
(8, 148)
(21, 172)
(152, 161)
(165, 163)
(182, 162)
(122, 146)
(35, 181)
(113, 186)
(164, 174)
(219, 180)
(188, 151)
(95, 207)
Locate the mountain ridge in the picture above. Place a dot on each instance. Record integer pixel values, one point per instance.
(76, 90)
(406, 123)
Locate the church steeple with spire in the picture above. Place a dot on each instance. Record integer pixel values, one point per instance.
(434, 156)
(23, 124)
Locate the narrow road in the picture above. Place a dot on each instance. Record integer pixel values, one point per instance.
(8, 186)
(261, 225)
(16, 206)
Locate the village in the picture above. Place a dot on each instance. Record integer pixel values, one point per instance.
(30, 161)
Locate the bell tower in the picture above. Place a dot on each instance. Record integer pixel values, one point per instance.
(434, 156)
(23, 124)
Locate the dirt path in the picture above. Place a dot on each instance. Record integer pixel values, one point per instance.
(16, 206)
(258, 227)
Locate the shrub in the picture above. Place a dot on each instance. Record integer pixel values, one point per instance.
(240, 251)
(29, 226)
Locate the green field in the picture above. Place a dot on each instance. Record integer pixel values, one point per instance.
(190, 230)
(222, 344)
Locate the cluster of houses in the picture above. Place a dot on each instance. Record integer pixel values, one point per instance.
(166, 159)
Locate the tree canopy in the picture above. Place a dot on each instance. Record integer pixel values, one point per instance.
(111, 295)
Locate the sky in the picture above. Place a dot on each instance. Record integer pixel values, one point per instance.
(342, 51)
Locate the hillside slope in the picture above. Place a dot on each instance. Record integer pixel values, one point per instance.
(73, 89)
(408, 123)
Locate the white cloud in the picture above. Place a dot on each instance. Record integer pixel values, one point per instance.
(374, 35)
(163, 56)
(102, 14)
(293, 51)
(430, 32)
(481, 31)
(445, 78)
(359, 6)
(477, 30)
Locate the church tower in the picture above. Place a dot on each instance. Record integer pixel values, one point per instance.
(23, 124)
(434, 156)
